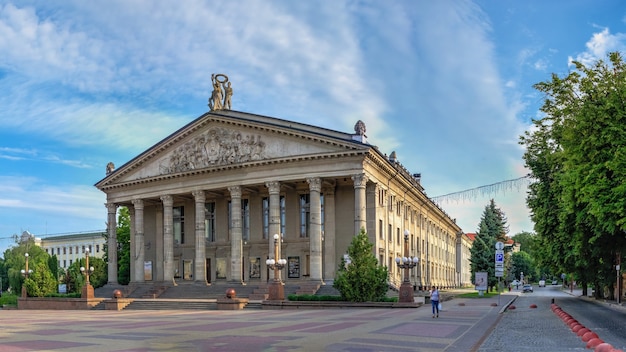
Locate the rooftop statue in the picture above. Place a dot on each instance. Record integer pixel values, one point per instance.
(222, 92)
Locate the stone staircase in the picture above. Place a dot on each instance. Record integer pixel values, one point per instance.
(166, 304)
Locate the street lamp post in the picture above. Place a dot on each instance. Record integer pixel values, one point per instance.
(276, 289)
(406, 262)
(87, 270)
(25, 272)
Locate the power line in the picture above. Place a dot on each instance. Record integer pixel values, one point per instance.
(473, 193)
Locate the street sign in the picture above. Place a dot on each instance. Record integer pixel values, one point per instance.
(499, 246)
(499, 256)
(499, 272)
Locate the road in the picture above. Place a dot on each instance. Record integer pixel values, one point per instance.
(539, 329)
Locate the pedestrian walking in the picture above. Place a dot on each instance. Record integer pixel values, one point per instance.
(434, 300)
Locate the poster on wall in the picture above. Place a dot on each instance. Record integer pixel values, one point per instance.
(255, 267)
(220, 268)
(294, 267)
(147, 271)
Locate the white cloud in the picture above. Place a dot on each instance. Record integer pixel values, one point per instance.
(600, 44)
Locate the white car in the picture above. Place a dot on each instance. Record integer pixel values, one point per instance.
(542, 283)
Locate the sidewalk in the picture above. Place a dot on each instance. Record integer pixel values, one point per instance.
(461, 326)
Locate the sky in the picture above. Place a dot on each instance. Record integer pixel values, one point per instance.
(447, 85)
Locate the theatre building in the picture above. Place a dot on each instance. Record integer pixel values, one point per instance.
(206, 201)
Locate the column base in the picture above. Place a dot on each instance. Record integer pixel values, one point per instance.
(87, 292)
(276, 291)
(406, 293)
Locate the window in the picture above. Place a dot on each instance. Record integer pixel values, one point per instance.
(398, 236)
(52, 251)
(71, 251)
(65, 250)
(245, 219)
(90, 249)
(209, 222)
(179, 225)
(389, 233)
(70, 262)
(64, 263)
(283, 215)
(381, 230)
(305, 215)
(97, 248)
(83, 249)
(266, 217)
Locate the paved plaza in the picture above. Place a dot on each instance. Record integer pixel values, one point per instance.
(476, 325)
(462, 326)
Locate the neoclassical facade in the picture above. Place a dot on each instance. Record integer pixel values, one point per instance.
(206, 201)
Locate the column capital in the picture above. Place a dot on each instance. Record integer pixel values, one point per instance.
(273, 187)
(315, 183)
(137, 203)
(111, 207)
(167, 200)
(360, 180)
(235, 191)
(199, 195)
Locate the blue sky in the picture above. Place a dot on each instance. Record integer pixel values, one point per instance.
(446, 84)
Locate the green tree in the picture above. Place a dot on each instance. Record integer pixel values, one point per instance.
(15, 261)
(577, 155)
(75, 279)
(491, 229)
(523, 263)
(41, 282)
(361, 279)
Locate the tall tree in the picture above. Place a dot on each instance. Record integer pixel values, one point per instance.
(491, 229)
(577, 154)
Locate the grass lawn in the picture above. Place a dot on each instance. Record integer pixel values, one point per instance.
(475, 295)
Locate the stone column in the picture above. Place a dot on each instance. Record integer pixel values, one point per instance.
(236, 249)
(138, 255)
(330, 260)
(199, 268)
(112, 242)
(168, 238)
(360, 217)
(315, 232)
(274, 225)
(133, 244)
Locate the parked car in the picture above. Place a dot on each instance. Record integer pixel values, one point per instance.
(554, 282)
(527, 288)
(515, 283)
(542, 283)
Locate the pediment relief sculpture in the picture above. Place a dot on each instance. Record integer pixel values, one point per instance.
(217, 146)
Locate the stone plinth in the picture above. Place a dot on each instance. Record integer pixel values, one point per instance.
(276, 291)
(117, 303)
(406, 293)
(57, 303)
(87, 292)
(231, 303)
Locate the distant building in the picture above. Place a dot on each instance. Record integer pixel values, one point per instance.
(70, 247)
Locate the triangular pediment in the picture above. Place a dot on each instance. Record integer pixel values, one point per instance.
(233, 138)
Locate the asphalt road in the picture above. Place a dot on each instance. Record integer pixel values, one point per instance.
(540, 329)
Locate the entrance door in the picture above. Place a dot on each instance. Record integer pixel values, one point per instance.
(207, 271)
(187, 270)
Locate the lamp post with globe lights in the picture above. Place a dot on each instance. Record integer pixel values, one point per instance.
(87, 270)
(276, 289)
(406, 262)
(25, 273)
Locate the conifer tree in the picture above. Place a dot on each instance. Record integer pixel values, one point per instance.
(361, 279)
(492, 228)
